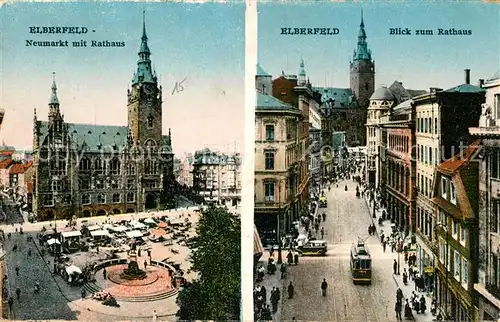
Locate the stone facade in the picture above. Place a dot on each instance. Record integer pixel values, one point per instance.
(488, 283)
(217, 177)
(86, 170)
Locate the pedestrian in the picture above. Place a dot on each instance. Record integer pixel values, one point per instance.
(395, 266)
(155, 316)
(84, 294)
(410, 273)
(18, 293)
(384, 243)
(398, 311)
(17, 270)
(324, 286)
(11, 303)
(322, 232)
(104, 273)
(145, 265)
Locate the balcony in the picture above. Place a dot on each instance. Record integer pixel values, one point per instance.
(493, 289)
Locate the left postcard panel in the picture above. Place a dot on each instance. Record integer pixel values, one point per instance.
(120, 164)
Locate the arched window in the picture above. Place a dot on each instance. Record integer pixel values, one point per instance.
(130, 197)
(98, 166)
(150, 122)
(150, 146)
(116, 198)
(84, 164)
(130, 169)
(114, 166)
(85, 199)
(101, 198)
(58, 166)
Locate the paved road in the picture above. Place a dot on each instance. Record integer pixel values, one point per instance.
(346, 219)
(49, 303)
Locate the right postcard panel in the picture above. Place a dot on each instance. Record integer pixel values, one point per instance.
(377, 172)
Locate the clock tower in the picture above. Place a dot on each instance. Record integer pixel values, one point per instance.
(144, 101)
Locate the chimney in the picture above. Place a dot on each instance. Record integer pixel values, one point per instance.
(481, 82)
(467, 76)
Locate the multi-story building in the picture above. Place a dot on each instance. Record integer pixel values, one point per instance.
(315, 159)
(488, 131)
(381, 102)
(87, 169)
(185, 176)
(339, 151)
(217, 177)
(455, 198)
(277, 154)
(398, 160)
(443, 118)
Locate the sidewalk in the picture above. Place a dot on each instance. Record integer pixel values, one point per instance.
(410, 287)
(271, 281)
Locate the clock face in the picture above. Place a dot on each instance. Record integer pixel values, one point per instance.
(149, 89)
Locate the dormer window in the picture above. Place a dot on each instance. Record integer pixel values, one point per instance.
(150, 122)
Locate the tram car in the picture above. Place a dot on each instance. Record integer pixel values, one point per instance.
(361, 264)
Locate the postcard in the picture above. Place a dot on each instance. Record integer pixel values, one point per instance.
(122, 136)
(376, 161)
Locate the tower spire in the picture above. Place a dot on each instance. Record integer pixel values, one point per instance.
(144, 73)
(53, 98)
(362, 52)
(302, 72)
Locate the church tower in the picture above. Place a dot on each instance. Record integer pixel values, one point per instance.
(56, 120)
(362, 69)
(145, 100)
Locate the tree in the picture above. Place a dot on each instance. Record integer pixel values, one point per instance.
(215, 295)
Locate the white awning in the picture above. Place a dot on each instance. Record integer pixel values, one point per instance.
(74, 233)
(119, 228)
(107, 226)
(94, 227)
(137, 225)
(53, 241)
(73, 269)
(99, 233)
(149, 221)
(134, 234)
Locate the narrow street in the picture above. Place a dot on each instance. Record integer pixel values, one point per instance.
(346, 218)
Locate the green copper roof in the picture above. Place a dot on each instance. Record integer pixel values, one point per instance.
(261, 71)
(362, 52)
(53, 98)
(465, 88)
(339, 97)
(302, 70)
(96, 138)
(268, 102)
(144, 73)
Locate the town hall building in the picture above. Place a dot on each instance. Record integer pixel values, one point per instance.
(88, 170)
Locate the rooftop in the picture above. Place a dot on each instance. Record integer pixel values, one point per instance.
(268, 102)
(461, 158)
(383, 94)
(465, 88)
(261, 71)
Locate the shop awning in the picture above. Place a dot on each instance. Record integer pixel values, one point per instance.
(53, 241)
(96, 233)
(134, 234)
(94, 227)
(119, 229)
(73, 269)
(149, 221)
(67, 234)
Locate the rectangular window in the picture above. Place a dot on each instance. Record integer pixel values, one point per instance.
(465, 273)
(495, 209)
(430, 155)
(494, 165)
(435, 125)
(442, 251)
(456, 266)
(270, 132)
(99, 184)
(497, 106)
(454, 232)
(440, 216)
(116, 197)
(269, 191)
(130, 184)
(114, 184)
(444, 188)
(453, 196)
(85, 199)
(463, 235)
(269, 160)
(84, 184)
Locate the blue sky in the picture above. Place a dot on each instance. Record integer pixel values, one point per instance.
(201, 42)
(419, 62)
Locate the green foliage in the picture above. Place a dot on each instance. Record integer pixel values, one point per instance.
(216, 294)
